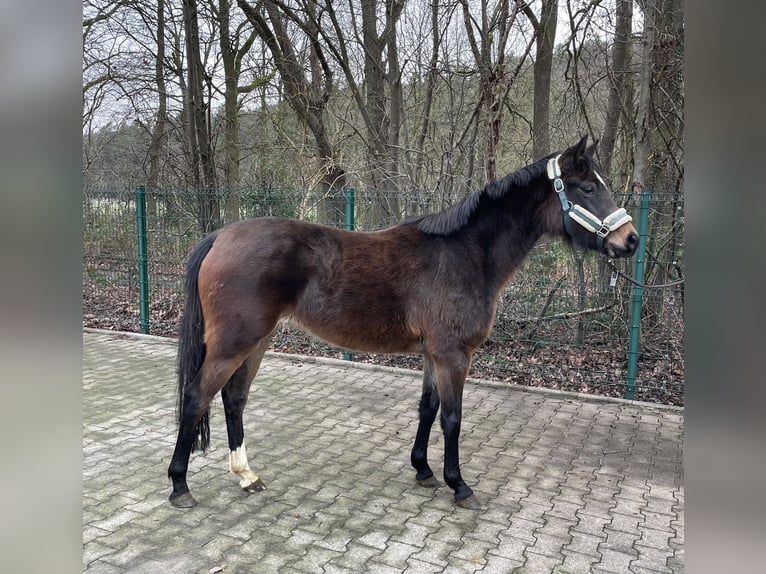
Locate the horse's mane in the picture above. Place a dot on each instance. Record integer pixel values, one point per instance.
(456, 217)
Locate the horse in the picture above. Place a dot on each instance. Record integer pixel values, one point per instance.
(428, 285)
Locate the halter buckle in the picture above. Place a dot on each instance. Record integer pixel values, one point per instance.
(603, 231)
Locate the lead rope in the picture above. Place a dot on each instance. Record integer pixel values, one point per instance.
(638, 283)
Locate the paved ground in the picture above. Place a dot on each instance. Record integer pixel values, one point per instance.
(568, 485)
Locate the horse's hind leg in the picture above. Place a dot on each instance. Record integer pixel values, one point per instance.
(213, 374)
(234, 395)
(429, 406)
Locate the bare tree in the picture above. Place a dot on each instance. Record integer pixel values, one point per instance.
(378, 96)
(382, 106)
(428, 97)
(620, 83)
(233, 50)
(161, 121)
(308, 97)
(203, 176)
(545, 34)
(659, 143)
(493, 30)
(659, 121)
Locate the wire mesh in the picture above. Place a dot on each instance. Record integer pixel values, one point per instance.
(561, 323)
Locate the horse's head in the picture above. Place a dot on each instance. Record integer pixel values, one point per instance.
(591, 218)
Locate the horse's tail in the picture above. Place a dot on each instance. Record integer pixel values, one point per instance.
(191, 343)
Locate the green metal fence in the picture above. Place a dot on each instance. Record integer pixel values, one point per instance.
(563, 322)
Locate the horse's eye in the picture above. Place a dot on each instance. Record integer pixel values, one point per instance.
(588, 188)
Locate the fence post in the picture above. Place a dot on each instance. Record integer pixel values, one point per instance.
(348, 196)
(143, 271)
(638, 291)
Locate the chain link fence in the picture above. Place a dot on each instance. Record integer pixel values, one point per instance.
(563, 322)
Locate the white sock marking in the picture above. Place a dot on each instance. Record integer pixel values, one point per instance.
(239, 466)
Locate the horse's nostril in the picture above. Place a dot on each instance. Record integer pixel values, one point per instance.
(632, 240)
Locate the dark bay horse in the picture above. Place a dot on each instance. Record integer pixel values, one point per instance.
(429, 285)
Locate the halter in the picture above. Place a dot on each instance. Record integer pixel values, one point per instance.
(585, 218)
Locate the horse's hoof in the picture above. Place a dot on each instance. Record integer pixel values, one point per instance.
(471, 503)
(256, 486)
(430, 482)
(185, 500)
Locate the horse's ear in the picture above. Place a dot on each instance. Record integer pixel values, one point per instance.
(574, 157)
(591, 151)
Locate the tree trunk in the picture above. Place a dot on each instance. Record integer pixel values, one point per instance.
(378, 125)
(619, 89)
(394, 81)
(160, 126)
(428, 97)
(231, 114)
(203, 169)
(545, 34)
(494, 79)
(643, 113)
(659, 139)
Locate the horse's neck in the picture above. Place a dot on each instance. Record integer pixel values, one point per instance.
(517, 232)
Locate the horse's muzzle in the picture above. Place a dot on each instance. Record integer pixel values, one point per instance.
(622, 242)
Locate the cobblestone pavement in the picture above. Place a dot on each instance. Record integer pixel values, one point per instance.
(568, 485)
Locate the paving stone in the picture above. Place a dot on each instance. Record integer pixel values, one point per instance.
(576, 563)
(593, 525)
(539, 564)
(396, 554)
(511, 547)
(457, 566)
(654, 558)
(619, 541)
(555, 526)
(436, 551)
(356, 555)
(628, 506)
(523, 528)
(658, 539)
(415, 566)
(563, 510)
(501, 565)
(640, 570)
(613, 562)
(548, 545)
(314, 559)
(95, 551)
(474, 551)
(561, 489)
(656, 520)
(626, 523)
(584, 543)
(375, 567)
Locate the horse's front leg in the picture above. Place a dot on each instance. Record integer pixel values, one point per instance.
(451, 371)
(427, 409)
